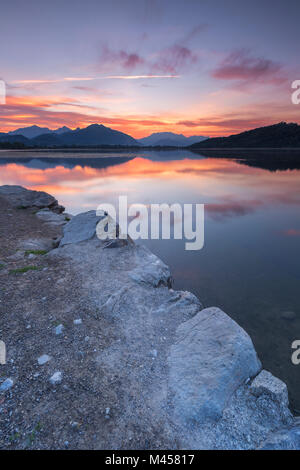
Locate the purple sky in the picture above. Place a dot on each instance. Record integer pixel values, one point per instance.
(195, 67)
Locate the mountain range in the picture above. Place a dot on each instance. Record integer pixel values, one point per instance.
(34, 131)
(165, 139)
(93, 135)
(276, 136)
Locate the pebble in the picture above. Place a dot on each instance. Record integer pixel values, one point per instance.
(74, 424)
(59, 329)
(78, 321)
(56, 378)
(6, 385)
(43, 359)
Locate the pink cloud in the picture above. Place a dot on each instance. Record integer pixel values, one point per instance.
(174, 58)
(126, 60)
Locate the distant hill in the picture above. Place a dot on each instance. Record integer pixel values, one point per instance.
(97, 134)
(47, 140)
(13, 139)
(61, 130)
(275, 136)
(34, 131)
(93, 135)
(166, 139)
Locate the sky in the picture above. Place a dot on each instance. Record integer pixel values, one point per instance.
(195, 67)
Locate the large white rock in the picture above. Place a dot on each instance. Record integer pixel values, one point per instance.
(211, 358)
(51, 217)
(80, 228)
(149, 270)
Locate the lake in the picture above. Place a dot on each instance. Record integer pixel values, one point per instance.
(249, 265)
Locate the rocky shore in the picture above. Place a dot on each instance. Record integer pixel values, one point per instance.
(101, 352)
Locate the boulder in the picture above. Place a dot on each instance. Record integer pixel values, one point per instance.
(266, 384)
(287, 438)
(80, 228)
(20, 197)
(150, 270)
(45, 244)
(51, 218)
(211, 358)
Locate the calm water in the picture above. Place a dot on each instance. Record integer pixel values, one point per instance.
(249, 265)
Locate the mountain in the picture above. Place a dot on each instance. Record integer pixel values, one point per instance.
(93, 135)
(13, 139)
(47, 140)
(34, 131)
(30, 132)
(275, 136)
(165, 139)
(97, 134)
(61, 130)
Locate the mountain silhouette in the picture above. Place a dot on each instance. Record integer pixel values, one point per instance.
(93, 135)
(34, 131)
(276, 136)
(164, 139)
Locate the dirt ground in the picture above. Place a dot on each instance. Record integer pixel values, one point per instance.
(35, 413)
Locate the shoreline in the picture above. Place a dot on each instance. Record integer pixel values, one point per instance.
(171, 373)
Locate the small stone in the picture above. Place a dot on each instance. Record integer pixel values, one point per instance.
(43, 359)
(31, 256)
(74, 424)
(78, 321)
(56, 378)
(6, 385)
(59, 329)
(107, 411)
